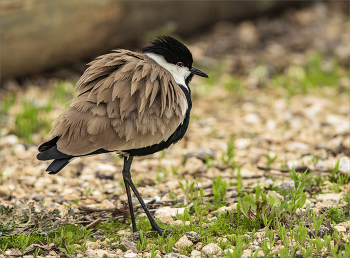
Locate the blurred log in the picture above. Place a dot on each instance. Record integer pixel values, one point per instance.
(40, 35)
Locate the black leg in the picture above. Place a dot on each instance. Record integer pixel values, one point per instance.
(127, 178)
(127, 187)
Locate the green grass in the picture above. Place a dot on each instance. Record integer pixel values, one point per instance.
(66, 236)
(235, 86)
(337, 214)
(313, 76)
(7, 103)
(318, 73)
(63, 92)
(32, 119)
(229, 222)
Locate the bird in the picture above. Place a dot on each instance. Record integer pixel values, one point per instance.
(130, 103)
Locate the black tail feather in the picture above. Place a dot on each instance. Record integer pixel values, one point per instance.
(48, 145)
(52, 153)
(57, 165)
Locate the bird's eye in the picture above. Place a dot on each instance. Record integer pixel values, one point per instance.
(180, 64)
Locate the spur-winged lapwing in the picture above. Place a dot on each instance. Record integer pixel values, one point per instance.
(131, 103)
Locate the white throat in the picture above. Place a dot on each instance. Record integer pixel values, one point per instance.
(179, 73)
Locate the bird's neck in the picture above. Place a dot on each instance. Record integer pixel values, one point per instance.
(178, 74)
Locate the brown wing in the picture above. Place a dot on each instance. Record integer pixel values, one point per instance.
(127, 101)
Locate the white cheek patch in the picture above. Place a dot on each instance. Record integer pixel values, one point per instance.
(179, 73)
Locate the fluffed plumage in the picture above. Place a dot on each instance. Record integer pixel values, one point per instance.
(126, 101)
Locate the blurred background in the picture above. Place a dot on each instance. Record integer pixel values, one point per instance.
(277, 96)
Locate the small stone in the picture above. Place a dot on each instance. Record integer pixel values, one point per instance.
(294, 146)
(129, 254)
(183, 242)
(270, 125)
(112, 255)
(106, 168)
(187, 223)
(287, 185)
(171, 255)
(201, 154)
(101, 253)
(307, 204)
(50, 194)
(193, 165)
(330, 199)
(211, 249)
(242, 143)
(276, 250)
(37, 197)
(135, 236)
(123, 233)
(345, 224)
(5, 190)
(228, 251)
(15, 252)
(195, 253)
(213, 172)
(177, 223)
(97, 196)
(249, 173)
(198, 246)
(321, 232)
(254, 247)
(252, 119)
(19, 148)
(92, 245)
(9, 140)
(340, 229)
(59, 199)
(247, 253)
(167, 219)
(106, 204)
(322, 165)
(99, 234)
(192, 236)
(118, 251)
(146, 255)
(8, 197)
(166, 211)
(344, 165)
(293, 164)
(225, 208)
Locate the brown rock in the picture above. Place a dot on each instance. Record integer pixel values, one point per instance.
(211, 249)
(167, 219)
(183, 242)
(193, 166)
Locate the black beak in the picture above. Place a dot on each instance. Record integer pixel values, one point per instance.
(196, 71)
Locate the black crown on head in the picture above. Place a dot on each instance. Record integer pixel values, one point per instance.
(171, 49)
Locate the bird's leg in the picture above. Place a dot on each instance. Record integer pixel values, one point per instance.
(127, 178)
(127, 187)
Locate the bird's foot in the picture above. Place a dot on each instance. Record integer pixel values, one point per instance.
(161, 231)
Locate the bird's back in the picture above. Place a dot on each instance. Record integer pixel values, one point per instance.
(126, 102)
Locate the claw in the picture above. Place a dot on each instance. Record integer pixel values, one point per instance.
(161, 231)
